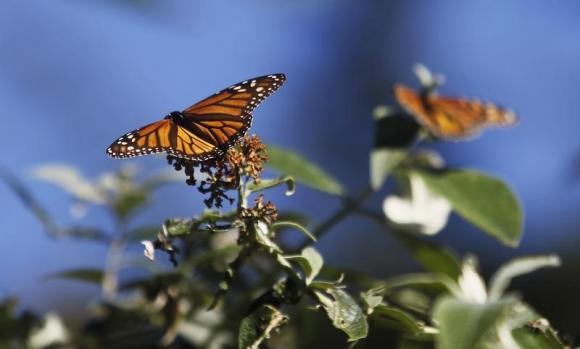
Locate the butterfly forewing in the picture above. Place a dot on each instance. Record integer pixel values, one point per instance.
(225, 116)
(452, 118)
(206, 129)
(239, 99)
(413, 104)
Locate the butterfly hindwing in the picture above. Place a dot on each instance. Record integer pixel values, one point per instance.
(206, 129)
(162, 136)
(152, 138)
(452, 118)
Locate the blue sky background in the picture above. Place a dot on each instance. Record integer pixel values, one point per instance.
(76, 74)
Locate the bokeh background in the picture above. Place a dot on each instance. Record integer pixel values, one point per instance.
(76, 74)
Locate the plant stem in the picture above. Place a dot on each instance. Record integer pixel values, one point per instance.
(350, 205)
(242, 192)
(114, 262)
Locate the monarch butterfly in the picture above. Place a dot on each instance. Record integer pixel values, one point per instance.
(206, 129)
(452, 118)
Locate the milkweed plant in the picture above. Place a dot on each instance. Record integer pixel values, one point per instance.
(225, 279)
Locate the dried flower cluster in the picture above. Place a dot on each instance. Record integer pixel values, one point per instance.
(249, 157)
(265, 212)
(220, 175)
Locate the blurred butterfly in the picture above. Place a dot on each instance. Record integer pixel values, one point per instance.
(452, 118)
(203, 131)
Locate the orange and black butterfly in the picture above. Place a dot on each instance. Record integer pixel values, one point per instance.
(203, 131)
(452, 118)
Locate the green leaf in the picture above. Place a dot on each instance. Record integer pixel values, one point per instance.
(531, 331)
(394, 135)
(75, 232)
(230, 273)
(485, 201)
(382, 163)
(433, 283)
(417, 301)
(94, 276)
(127, 202)
(372, 298)
(326, 285)
(399, 319)
(83, 233)
(432, 257)
(271, 183)
(538, 338)
(259, 326)
(462, 324)
(519, 266)
(310, 261)
(69, 179)
(287, 224)
(263, 238)
(143, 233)
(344, 312)
(178, 226)
(303, 171)
(28, 200)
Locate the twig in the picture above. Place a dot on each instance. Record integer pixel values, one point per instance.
(114, 261)
(350, 205)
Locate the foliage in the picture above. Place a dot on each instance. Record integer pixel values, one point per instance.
(233, 283)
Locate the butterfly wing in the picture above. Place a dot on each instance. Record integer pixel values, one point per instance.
(224, 117)
(162, 136)
(412, 103)
(208, 127)
(452, 118)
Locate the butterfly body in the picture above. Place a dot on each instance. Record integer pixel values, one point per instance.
(203, 131)
(175, 116)
(452, 118)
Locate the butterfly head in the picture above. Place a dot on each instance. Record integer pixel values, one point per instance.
(175, 116)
